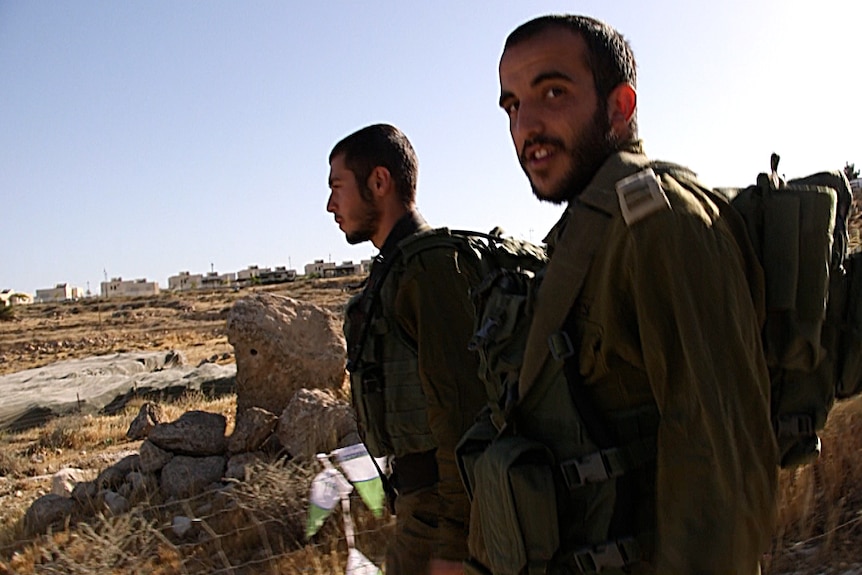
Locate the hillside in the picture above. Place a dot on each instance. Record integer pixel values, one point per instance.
(191, 322)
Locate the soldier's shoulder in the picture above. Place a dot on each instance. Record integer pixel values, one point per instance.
(640, 196)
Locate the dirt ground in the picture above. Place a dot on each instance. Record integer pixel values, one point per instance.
(191, 322)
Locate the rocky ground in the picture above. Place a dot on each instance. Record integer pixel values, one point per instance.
(190, 322)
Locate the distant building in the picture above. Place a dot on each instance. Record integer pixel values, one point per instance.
(279, 275)
(120, 287)
(215, 280)
(249, 274)
(9, 298)
(856, 185)
(60, 292)
(256, 275)
(323, 269)
(318, 268)
(185, 281)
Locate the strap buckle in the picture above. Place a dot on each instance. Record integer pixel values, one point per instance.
(609, 555)
(561, 346)
(591, 468)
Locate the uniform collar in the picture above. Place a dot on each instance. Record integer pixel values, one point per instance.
(406, 226)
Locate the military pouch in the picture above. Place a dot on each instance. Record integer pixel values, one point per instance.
(792, 226)
(515, 504)
(472, 445)
(369, 403)
(504, 307)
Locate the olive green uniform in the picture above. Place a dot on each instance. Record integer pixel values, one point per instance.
(667, 325)
(425, 304)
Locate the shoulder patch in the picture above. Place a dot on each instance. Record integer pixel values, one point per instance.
(641, 195)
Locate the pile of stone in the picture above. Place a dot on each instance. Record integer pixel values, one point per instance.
(281, 347)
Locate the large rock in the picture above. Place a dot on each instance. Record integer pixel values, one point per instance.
(153, 458)
(315, 422)
(48, 510)
(104, 383)
(253, 427)
(282, 345)
(64, 481)
(186, 476)
(148, 417)
(194, 433)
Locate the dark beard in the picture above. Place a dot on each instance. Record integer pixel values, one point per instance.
(587, 155)
(370, 220)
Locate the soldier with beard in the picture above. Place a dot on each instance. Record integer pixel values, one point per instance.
(643, 373)
(414, 383)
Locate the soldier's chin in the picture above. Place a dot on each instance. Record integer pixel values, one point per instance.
(551, 195)
(354, 238)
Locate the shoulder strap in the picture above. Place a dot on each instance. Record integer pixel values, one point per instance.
(370, 297)
(589, 217)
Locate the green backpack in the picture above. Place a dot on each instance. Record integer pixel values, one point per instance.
(811, 336)
(385, 429)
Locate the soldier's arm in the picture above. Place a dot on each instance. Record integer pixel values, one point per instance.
(435, 311)
(699, 339)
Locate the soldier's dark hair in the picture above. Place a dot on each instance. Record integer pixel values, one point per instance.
(381, 145)
(609, 55)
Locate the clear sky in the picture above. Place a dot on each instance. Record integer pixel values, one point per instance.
(143, 138)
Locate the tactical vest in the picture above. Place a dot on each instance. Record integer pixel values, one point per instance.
(386, 388)
(557, 487)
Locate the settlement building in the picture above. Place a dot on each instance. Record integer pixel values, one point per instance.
(60, 292)
(185, 281)
(120, 287)
(323, 269)
(10, 297)
(215, 280)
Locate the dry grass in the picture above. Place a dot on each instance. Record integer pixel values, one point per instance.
(258, 526)
(820, 517)
(255, 526)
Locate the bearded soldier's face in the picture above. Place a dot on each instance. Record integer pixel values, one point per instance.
(560, 131)
(352, 203)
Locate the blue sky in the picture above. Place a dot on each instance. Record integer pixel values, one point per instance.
(140, 139)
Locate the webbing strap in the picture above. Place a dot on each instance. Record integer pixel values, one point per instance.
(562, 283)
(795, 425)
(608, 463)
(588, 217)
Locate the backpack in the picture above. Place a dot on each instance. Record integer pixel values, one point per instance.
(811, 336)
(385, 427)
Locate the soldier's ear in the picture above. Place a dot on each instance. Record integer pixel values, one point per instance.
(379, 181)
(622, 104)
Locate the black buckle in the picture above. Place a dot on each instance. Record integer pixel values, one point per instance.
(609, 555)
(590, 468)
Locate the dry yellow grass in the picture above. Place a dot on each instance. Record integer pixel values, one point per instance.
(258, 526)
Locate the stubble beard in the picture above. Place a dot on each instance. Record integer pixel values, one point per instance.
(369, 221)
(586, 156)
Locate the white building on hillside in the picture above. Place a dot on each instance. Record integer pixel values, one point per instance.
(119, 287)
(9, 297)
(60, 292)
(216, 280)
(185, 281)
(323, 269)
(318, 268)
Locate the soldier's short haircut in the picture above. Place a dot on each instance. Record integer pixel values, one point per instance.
(381, 145)
(609, 55)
